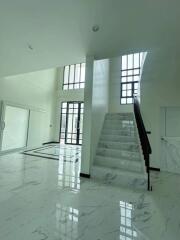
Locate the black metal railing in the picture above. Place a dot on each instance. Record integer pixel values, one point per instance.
(146, 147)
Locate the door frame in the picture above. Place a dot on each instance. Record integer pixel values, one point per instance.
(78, 123)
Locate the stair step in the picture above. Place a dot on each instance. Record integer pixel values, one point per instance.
(129, 165)
(120, 146)
(118, 153)
(119, 117)
(122, 132)
(119, 177)
(117, 138)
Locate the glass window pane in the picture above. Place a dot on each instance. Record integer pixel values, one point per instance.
(136, 60)
(123, 79)
(77, 73)
(65, 87)
(66, 74)
(83, 65)
(129, 86)
(129, 93)
(123, 100)
(136, 78)
(136, 72)
(81, 85)
(124, 73)
(124, 93)
(124, 62)
(71, 76)
(129, 79)
(130, 61)
(124, 86)
(129, 100)
(71, 86)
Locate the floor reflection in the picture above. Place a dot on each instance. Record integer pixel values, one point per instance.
(69, 171)
(127, 231)
(67, 222)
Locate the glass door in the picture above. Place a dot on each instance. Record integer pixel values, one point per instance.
(72, 122)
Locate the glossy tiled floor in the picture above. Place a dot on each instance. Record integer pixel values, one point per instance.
(44, 199)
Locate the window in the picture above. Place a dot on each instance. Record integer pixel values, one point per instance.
(131, 67)
(74, 76)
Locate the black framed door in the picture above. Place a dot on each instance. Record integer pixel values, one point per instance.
(72, 122)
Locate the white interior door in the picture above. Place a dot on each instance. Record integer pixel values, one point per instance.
(15, 131)
(37, 129)
(170, 139)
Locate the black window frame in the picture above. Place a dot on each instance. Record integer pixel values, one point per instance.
(77, 83)
(132, 75)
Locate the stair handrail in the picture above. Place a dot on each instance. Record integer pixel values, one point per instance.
(145, 144)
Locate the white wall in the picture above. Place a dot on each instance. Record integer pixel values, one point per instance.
(96, 98)
(115, 88)
(160, 87)
(87, 122)
(100, 101)
(34, 91)
(64, 96)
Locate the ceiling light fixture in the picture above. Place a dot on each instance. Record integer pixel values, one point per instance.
(95, 28)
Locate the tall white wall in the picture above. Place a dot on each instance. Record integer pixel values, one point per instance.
(115, 88)
(160, 87)
(100, 101)
(87, 122)
(34, 91)
(64, 96)
(96, 98)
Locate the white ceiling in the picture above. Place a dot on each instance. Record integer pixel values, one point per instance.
(59, 31)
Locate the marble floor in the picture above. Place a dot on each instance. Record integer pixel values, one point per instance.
(43, 199)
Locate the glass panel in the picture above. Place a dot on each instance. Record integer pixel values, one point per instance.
(123, 79)
(129, 100)
(82, 85)
(136, 78)
(136, 60)
(66, 74)
(123, 100)
(130, 79)
(83, 72)
(129, 93)
(124, 86)
(124, 93)
(129, 86)
(124, 62)
(71, 76)
(77, 73)
(65, 87)
(130, 61)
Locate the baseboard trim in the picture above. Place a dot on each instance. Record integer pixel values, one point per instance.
(155, 169)
(84, 175)
(49, 143)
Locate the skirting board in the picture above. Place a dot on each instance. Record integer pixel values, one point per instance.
(84, 175)
(49, 143)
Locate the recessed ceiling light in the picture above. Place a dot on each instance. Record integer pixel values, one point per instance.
(95, 28)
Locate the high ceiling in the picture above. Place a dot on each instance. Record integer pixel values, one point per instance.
(39, 34)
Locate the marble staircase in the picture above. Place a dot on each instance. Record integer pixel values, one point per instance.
(118, 157)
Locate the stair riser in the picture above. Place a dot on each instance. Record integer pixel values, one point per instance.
(121, 164)
(119, 146)
(132, 156)
(117, 138)
(118, 133)
(118, 127)
(117, 118)
(110, 177)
